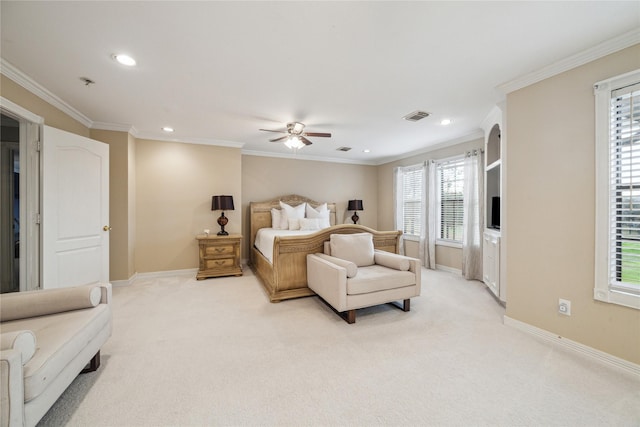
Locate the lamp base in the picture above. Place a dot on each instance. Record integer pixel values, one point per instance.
(355, 217)
(222, 221)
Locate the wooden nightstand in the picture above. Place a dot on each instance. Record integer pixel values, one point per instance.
(219, 255)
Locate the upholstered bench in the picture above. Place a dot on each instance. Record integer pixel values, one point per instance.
(47, 338)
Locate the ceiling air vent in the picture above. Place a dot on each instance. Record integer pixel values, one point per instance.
(416, 115)
(343, 149)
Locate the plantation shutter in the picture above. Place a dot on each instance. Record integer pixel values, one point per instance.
(412, 194)
(451, 184)
(624, 189)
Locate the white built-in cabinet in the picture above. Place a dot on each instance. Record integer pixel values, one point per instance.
(491, 260)
(494, 214)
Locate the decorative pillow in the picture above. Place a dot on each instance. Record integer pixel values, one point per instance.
(294, 223)
(357, 248)
(351, 268)
(275, 219)
(309, 224)
(289, 212)
(24, 341)
(321, 213)
(22, 305)
(395, 261)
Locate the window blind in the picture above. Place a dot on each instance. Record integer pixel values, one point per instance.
(451, 201)
(412, 201)
(624, 189)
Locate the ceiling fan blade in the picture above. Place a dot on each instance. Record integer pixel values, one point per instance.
(279, 139)
(319, 134)
(305, 141)
(278, 131)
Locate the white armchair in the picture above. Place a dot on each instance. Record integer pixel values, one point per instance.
(352, 275)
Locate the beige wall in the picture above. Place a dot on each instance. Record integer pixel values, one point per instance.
(264, 178)
(121, 263)
(174, 185)
(445, 256)
(550, 206)
(52, 116)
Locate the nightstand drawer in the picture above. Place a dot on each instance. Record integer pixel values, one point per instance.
(212, 264)
(219, 250)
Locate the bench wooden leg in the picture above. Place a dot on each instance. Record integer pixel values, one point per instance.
(93, 364)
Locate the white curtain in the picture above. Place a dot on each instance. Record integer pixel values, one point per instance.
(473, 221)
(398, 217)
(426, 243)
(431, 189)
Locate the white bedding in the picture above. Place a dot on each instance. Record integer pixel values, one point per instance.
(265, 236)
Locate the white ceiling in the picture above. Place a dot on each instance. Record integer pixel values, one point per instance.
(219, 71)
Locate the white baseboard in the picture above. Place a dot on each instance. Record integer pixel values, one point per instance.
(155, 275)
(449, 269)
(598, 355)
(168, 273)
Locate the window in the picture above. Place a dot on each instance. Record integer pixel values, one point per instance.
(450, 199)
(412, 193)
(618, 190)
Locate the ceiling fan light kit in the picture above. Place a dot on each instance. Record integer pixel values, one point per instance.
(295, 137)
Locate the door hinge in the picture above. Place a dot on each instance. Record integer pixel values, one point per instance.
(37, 218)
(37, 145)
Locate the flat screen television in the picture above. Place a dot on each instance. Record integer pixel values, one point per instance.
(495, 212)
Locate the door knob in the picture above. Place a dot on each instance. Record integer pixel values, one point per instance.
(106, 228)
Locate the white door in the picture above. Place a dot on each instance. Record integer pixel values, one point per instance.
(75, 210)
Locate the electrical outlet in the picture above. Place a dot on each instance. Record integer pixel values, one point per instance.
(564, 307)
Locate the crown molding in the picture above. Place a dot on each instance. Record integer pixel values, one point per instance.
(40, 91)
(596, 52)
(115, 127)
(298, 156)
(189, 140)
(477, 134)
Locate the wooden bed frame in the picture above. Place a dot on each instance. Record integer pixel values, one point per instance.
(287, 277)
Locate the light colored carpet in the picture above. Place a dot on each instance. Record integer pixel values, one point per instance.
(216, 352)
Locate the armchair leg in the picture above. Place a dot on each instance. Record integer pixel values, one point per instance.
(350, 316)
(93, 364)
(406, 306)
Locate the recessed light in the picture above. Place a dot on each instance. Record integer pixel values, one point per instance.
(366, 150)
(168, 129)
(445, 122)
(125, 59)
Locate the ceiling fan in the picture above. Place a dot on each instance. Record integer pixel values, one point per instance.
(295, 136)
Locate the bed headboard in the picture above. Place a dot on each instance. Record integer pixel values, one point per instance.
(260, 212)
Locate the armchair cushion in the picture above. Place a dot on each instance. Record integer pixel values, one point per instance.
(23, 341)
(357, 248)
(21, 305)
(378, 278)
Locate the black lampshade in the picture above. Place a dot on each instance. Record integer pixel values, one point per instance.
(222, 203)
(355, 205)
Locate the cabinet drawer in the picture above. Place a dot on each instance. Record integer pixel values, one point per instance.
(219, 250)
(212, 264)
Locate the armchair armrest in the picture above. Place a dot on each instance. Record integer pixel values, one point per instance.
(11, 388)
(328, 280)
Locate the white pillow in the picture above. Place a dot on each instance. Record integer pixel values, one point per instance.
(357, 248)
(309, 224)
(294, 223)
(321, 213)
(290, 212)
(275, 219)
